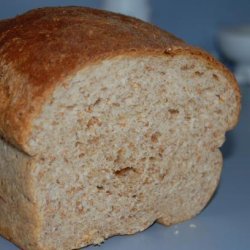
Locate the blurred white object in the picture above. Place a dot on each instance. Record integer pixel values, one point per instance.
(235, 44)
(136, 8)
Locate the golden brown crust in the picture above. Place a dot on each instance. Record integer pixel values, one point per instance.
(40, 49)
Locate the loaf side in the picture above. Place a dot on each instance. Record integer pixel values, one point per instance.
(74, 37)
(19, 217)
(107, 125)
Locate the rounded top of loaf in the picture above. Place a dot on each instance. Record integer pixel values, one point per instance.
(40, 49)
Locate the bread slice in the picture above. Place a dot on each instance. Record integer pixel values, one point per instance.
(108, 124)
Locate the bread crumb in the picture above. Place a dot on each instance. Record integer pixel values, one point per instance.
(176, 232)
(192, 226)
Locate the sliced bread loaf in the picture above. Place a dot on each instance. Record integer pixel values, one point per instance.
(108, 124)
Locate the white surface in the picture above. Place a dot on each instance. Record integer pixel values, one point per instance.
(223, 225)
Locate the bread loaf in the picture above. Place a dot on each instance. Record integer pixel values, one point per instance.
(107, 125)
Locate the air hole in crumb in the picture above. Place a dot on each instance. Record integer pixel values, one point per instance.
(97, 102)
(81, 155)
(152, 158)
(124, 171)
(198, 73)
(100, 187)
(220, 98)
(42, 159)
(187, 67)
(173, 111)
(215, 77)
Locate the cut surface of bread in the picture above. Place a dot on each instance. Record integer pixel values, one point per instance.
(118, 144)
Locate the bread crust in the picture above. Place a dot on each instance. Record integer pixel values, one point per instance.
(19, 217)
(40, 49)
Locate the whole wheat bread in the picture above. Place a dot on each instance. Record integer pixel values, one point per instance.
(108, 124)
